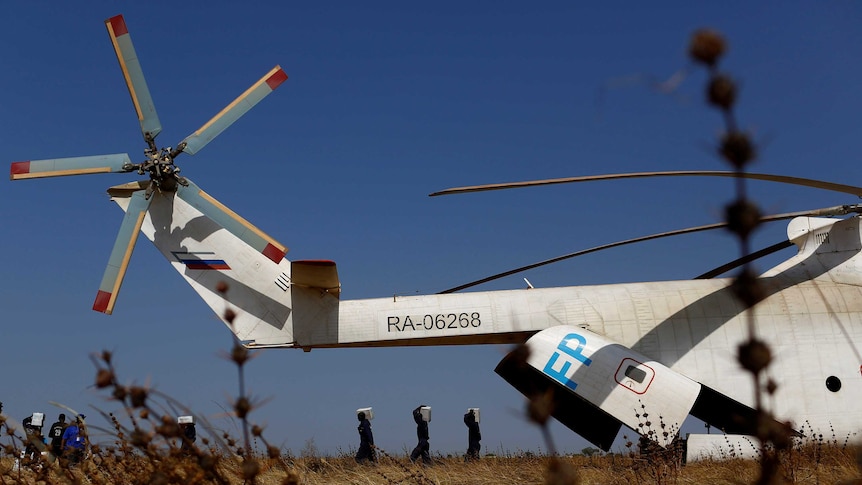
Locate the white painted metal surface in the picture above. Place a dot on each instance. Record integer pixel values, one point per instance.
(638, 391)
(812, 317)
(700, 447)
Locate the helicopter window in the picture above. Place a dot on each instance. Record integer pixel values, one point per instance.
(635, 374)
(833, 383)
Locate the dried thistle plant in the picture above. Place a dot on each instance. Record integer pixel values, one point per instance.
(160, 448)
(737, 148)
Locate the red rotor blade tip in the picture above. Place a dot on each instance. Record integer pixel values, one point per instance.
(102, 300)
(118, 25)
(19, 168)
(276, 79)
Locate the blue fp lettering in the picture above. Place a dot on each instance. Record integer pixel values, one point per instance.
(576, 353)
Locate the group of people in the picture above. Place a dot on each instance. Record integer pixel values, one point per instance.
(67, 441)
(421, 415)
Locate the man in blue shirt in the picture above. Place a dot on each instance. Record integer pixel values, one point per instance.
(75, 440)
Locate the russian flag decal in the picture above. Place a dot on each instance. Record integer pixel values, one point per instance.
(200, 260)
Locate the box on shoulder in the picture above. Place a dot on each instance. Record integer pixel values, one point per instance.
(475, 412)
(37, 420)
(425, 411)
(369, 413)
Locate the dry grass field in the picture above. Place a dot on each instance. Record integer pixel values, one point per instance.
(813, 464)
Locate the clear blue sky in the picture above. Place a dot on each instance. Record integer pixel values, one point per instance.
(387, 102)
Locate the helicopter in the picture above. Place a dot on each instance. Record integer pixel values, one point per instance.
(608, 350)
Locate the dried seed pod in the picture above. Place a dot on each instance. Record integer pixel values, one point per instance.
(239, 354)
(242, 407)
(540, 407)
(119, 393)
(721, 91)
(229, 315)
(169, 427)
(771, 386)
(754, 355)
(747, 288)
(104, 378)
(139, 438)
(742, 218)
(707, 46)
(738, 149)
(138, 396)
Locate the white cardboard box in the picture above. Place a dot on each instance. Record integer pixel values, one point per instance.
(369, 413)
(475, 411)
(425, 411)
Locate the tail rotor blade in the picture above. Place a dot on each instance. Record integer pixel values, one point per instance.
(259, 90)
(121, 253)
(59, 167)
(232, 221)
(146, 110)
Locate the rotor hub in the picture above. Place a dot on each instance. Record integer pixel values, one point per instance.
(160, 166)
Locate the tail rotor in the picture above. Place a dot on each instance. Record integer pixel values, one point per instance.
(158, 165)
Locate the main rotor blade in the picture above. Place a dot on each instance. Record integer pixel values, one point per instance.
(745, 259)
(118, 262)
(828, 211)
(817, 184)
(259, 90)
(59, 167)
(134, 75)
(232, 221)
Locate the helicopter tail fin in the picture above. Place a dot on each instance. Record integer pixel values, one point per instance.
(248, 289)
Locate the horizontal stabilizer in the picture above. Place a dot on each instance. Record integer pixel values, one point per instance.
(316, 274)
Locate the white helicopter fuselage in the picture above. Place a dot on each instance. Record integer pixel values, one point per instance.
(682, 335)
